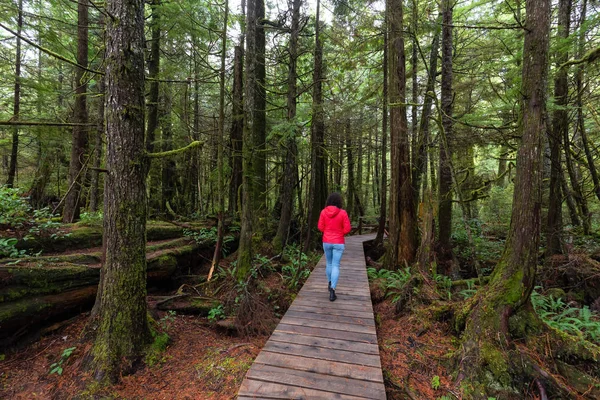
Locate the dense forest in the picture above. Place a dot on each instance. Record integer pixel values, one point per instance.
(464, 133)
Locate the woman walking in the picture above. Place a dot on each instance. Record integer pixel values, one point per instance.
(334, 223)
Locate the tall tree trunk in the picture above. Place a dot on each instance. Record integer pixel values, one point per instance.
(259, 124)
(317, 192)
(42, 173)
(123, 330)
(560, 129)
(153, 74)
(249, 181)
(446, 146)
(79, 144)
(579, 103)
(513, 279)
(220, 163)
(578, 194)
(97, 155)
(12, 168)
(237, 127)
(420, 155)
(403, 242)
(290, 167)
(384, 127)
(168, 170)
(414, 93)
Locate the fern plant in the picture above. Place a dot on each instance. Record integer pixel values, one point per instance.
(581, 322)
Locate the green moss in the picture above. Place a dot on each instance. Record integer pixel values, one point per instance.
(497, 364)
(155, 353)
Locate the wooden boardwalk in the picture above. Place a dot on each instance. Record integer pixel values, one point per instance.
(323, 349)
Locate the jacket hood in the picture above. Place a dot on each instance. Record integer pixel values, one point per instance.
(331, 211)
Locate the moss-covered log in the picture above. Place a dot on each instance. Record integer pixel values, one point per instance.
(81, 237)
(44, 291)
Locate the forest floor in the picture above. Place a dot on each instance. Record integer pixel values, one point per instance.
(204, 363)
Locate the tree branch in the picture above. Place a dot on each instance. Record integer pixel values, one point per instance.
(161, 154)
(34, 123)
(49, 52)
(589, 57)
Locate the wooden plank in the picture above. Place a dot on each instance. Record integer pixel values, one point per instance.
(320, 353)
(252, 389)
(346, 313)
(312, 380)
(324, 300)
(316, 341)
(306, 330)
(329, 325)
(334, 368)
(331, 318)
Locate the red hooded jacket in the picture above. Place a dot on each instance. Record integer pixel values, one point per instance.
(334, 223)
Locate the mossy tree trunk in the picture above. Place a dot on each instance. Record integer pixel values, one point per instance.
(123, 330)
(482, 361)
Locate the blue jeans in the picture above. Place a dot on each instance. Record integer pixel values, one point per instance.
(333, 255)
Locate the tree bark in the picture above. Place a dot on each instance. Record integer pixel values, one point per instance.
(123, 330)
(445, 174)
(249, 202)
(560, 129)
(487, 330)
(403, 243)
(79, 144)
(420, 155)
(12, 169)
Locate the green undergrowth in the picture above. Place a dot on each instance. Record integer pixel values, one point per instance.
(577, 321)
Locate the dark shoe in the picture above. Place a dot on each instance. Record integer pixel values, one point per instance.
(332, 295)
(329, 286)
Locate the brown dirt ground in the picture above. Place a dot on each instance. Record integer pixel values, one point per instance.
(200, 363)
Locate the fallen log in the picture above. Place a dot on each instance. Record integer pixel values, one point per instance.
(82, 237)
(41, 292)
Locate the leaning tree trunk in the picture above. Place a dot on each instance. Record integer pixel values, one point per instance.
(560, 129)
(123, 330)
(290, 166)
(80, 140)
(482, 360)
(12, 169)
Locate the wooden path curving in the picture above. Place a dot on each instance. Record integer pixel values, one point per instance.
(323, 349)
